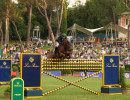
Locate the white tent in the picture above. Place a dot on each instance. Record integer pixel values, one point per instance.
(84, 30)
(107, 27)
(89, 31)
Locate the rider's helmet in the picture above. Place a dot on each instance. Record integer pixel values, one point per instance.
(63, 35)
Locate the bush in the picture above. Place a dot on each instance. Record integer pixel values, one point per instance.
(8, 89)
(127, 67)
(127, 86)
(14, 68)
(122, 78)
(66, 71)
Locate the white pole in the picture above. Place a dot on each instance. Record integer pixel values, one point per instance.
(37, 33)
(106, 35)
(111, 34)
(33, 33)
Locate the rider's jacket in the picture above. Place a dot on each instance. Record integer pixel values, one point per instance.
(60, 39)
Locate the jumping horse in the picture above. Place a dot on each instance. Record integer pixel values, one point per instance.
(64, 51)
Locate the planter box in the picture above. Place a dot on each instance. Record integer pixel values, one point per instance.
(126, 91)
(6, 95)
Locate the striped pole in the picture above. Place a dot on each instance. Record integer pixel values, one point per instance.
(71, 83)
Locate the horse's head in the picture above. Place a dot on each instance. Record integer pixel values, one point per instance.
(68, 49)
(65, 41)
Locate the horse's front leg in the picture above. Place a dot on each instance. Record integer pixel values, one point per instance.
(61, 54)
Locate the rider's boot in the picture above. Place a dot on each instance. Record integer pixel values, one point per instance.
(56, 49)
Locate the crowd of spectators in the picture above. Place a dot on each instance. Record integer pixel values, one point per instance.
(96, 51)
(80, 51)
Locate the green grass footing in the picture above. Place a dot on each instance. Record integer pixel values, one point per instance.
(72, 92)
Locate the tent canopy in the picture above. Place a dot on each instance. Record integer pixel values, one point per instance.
(90, 31)
(79, 28)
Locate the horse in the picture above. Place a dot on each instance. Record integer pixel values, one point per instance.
(64, 51)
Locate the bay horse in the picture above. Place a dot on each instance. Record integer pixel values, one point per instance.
(64, 51)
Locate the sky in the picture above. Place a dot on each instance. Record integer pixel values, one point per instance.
(72, 2)
(15, 1)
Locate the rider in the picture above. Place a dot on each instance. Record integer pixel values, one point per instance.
(59, 41)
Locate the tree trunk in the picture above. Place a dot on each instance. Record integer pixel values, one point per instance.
(63, 28)
(7, 27)
(50, 29)
(18, 36)
(1, 31)
(114, 19)
(58, 25)
(49, 33)
(29, 24)
(59, 20)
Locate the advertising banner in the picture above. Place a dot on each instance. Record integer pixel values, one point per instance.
(82, 74)
(31, 70)
(56, 73)
(111, 70)
(17, 89)
(5, 70)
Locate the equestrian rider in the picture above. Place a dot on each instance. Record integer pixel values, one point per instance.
(59, 41)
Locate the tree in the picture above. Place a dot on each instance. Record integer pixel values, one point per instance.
(15, 16)
(8, 7)
(59, 16)
(29, 4)
(64, 19)
(2, 17)
(42, 7)
(127, 4)
(110, 8)
(1, 34)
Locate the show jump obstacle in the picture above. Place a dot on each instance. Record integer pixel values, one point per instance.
(32, 66)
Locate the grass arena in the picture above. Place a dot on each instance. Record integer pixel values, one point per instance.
(69, 87)
(72, 92)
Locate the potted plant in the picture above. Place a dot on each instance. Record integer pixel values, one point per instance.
(7, 93)
(125, 87)
(14, 70)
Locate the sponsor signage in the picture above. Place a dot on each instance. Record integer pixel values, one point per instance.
(82, 74)
(17, 89)
(5, 70)
(31, 70)
(111, 69)
(56, 73)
